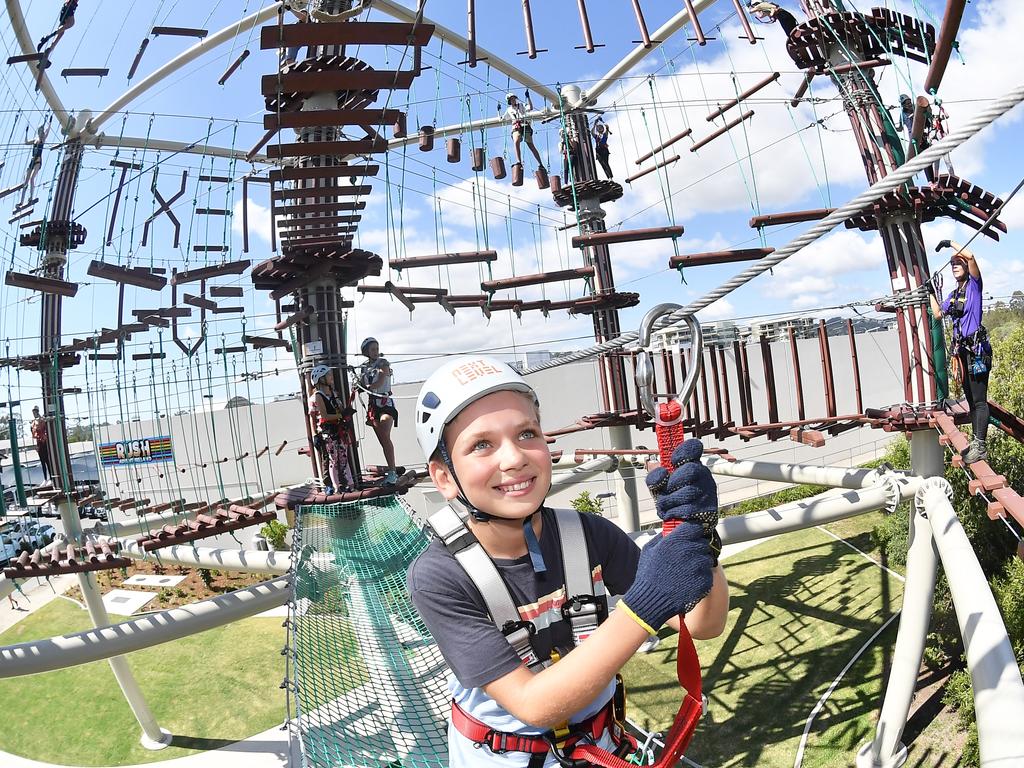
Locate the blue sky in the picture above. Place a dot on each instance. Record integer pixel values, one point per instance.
(782, 159)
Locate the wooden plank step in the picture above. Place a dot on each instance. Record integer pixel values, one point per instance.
(212, 212)
(210, 248)
(439, 259)
(307, 220)
(361, 33)
(180, 32)
(625, 236)
(345, 80)
(331, 117)
(347, 205)
(522, 281)
(718, 257)
(264, 342)
(163, 312)
(323, 172)
(24, 57)
(41, 284)
(789, 217)
(205, 273)
(85, 72)
(327, 148)
(226, 291)
(303, 193)
(140, 277)
(199, 301)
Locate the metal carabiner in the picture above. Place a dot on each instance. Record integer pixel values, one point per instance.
(645, 368)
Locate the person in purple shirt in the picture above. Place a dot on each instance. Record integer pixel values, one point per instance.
(970, 345)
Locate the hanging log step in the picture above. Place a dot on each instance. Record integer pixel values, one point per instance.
(723, 108)
(308, 231)
(346, 80)
(330, 117)
(229, 351)
(323, 172)
(718, 257)
(357, 190)
(521, 281)
(790, 217)
(226, 291)
(219, 522)
(59, 560)
(233, 67)
(318, 220)
(212, 212)
(652, 169)
(205, 273)
(347, 205)
(406, 289)
(163, 312)
(358, 33)
(210, 248)
(264, 342)
(664, 145)
(41, 284)
(625, 236)
(199, 301)
(149, 356)
(723, 130)
(327, 148)
(180, 32)
(298, 317)
(441, 259)
(84, 72)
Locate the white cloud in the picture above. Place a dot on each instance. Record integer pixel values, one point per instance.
(258, 217)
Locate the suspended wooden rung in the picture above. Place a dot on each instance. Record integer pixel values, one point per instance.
(162, 312)
(789, 217)
(125, 164)
(521, 281)
(306, 221)
(214, 179)
(10, 190)
(21, 58)
(357, 190)
(179, 32)
(327, 148)
(205, 273)
(342, 170)
(652, 169)
(149, 356)
(228, 310)
(264, 342)
(85, 72)
(344, 80)
(395, 291)
(26, 204)
(41, 284)
(199, 301)
(129, 328)
(808, 76)
(446, 305)
(718, 257)
(104, 356)
(212, 212)
(328, 208)
(723, 108)
(226, 291)
(298, 317)
(158, 322)
(229, 350)
(331, 117)
(664, 145)
(406, 289)
(20, 215)
(138, 58)
(234, 66)
(625, 236)
(357, 33)
(441, 259)
(210, 248)
(722, 131)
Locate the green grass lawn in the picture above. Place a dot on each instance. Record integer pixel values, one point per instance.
(802, 604)
(208, 690)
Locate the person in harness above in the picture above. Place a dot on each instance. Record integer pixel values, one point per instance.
(508, 586)
(971, 352)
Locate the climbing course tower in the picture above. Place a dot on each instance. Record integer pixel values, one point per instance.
(325, 96)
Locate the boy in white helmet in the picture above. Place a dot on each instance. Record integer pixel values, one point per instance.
(381, 413)
(478, 424)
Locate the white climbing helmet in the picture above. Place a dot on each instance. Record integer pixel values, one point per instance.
(367, 342)
(509, 97)
(454, 386)
(318, 372)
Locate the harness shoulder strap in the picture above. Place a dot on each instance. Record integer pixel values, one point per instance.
(583, 608)
(464, 546)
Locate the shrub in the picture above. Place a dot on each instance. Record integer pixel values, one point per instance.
(207, 577)
(274, 532)
(587, 503)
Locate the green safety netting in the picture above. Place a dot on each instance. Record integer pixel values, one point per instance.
(368, 686)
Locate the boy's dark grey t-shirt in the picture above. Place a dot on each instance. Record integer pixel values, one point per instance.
(457, 617)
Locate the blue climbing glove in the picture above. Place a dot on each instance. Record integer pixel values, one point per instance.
(674, 574)
(689, 493)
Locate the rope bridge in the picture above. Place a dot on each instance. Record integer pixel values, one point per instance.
(367, 684)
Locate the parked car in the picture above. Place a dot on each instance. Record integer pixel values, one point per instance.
(8, 550)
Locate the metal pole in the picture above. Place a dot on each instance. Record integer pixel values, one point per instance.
(152, 737)
(19, 483)
(886, 750)
(626, 497)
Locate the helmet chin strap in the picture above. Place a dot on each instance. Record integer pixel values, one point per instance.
(532, 543)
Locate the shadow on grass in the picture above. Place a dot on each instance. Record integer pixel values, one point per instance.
(791, 634)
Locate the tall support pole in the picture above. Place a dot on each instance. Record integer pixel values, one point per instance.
(19, 483)
(153, 737)
(627, 498)
(886, 750)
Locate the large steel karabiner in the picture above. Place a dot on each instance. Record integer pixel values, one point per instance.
(645, 368)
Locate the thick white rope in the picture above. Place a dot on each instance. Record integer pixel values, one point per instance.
(896, 179)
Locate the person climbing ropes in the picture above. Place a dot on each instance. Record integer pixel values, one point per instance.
(381, 414)
(970, 352)
(65, 21)
(300, 10)
(35, 162)
(768, 13)
(515, 593)
(329, 18)
(329, 415)
(521, 128)
(931, 172)
(601, 132)
(572, 155)
(38, 429)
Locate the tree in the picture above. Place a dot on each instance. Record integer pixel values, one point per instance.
(587, 503)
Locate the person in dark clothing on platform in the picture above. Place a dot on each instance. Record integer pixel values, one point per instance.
(971, 352)
(601, 132)
(768, 12)
(38, 429)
